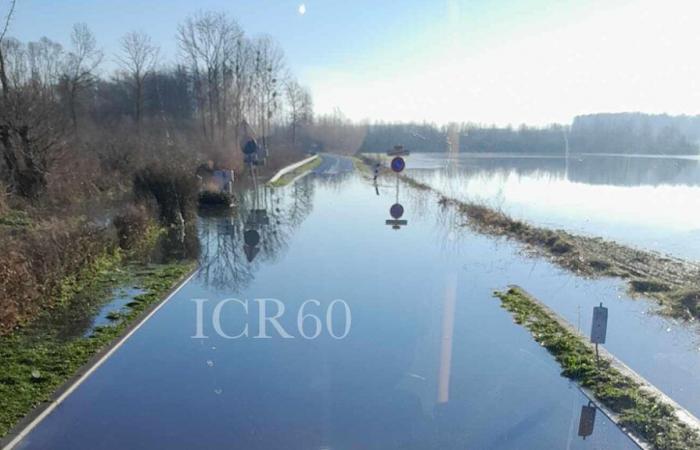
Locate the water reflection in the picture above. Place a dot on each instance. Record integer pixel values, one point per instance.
(431, 361)
(587, 420)
(396, 210)
(651, 203)
(234, 243)
(613, 170)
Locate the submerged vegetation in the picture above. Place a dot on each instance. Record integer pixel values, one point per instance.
(642, 412)
(288, 177)
(674, 283)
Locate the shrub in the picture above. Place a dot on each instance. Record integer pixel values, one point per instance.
(172, 187)
(38, 264)
(131, 225)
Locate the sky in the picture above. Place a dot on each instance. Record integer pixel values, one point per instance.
(485, 61)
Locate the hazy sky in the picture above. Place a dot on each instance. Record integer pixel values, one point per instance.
(488, 61)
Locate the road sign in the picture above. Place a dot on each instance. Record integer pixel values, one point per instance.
(587, 421)
(398, 164)
(600, 324)
(250, 252)
(250, 147)
(396, 210)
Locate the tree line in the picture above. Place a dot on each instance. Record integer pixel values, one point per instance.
(624, 133)
(223, 86)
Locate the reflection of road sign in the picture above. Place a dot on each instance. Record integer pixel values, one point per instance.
(398, 164)
(250, 252)
(251, 237)
(396, 224)
(250, 147)
(257, 217)
(600, 324)
(396, 210)
(587, 421)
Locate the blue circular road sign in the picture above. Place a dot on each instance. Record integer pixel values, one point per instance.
(250, 147)
(398, 164)
(396, 210)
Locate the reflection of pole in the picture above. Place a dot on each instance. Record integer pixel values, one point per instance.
(397, 188)
(597, 356)
(448, 324)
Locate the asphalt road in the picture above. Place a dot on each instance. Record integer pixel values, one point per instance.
(333, 165)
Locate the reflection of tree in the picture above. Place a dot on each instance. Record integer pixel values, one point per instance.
(222, 261)
(224, 264)
(590, 169)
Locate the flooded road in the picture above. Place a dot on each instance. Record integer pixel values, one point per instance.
(382, 338)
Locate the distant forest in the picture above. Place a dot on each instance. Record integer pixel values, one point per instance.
(628, 133)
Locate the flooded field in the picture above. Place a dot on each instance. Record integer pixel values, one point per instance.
(383, 338)
(645, 201)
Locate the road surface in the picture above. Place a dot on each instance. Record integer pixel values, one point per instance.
(333, 165)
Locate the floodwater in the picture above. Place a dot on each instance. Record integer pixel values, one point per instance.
(651, 202)
(404, 346)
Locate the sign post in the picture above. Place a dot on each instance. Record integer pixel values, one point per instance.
(599, 326)
(397, 165)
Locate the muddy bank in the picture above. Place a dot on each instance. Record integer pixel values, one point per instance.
(673, 282)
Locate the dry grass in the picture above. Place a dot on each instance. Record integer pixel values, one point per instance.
(42, 261)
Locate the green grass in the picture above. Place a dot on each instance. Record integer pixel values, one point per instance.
(15, 218)
(36, 360)
(288, 177)
(643, 413)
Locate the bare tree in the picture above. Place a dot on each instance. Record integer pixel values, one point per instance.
(267, 74)
(138, 59)
(80, 67)
(30, 125)
(298, 101)
(208, 42)
(45, 58)
(3, 32)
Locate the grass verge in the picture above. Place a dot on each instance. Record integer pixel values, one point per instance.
(288, 177)
(643, 413)
(38, 359)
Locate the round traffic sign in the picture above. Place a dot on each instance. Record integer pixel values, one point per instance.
(396, 210)
(251, 237)
(398, 164)
(250, 147)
